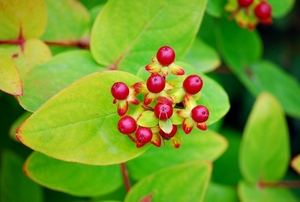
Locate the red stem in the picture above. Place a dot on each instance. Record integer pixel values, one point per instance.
(80, 43)
(125, 177)
(289, 184)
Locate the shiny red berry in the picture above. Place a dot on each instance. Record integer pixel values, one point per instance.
(245, 3)
(120, 91)
(192, 84)
(127, 125)
(163, 111)
(263, 10)
(171, 134)
(143, 135)
(156, 83)
(165, 55)
(200, 114)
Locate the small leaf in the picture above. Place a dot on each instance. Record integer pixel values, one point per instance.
(10, 81)
(116, 43)
(79, 124)
(44, 81)
(249, 193)
(215, 7)
(198, 145)
(17, 123)
(74, 21)
(264, 152)
(22, 18)
(219, 192)
(147, 119)
(14, 185)
(295, 163)
(72, 178)
(281, 8)
(166, 125)
(202, 57)
(164, 184)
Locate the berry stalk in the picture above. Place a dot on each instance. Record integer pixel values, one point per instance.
(125, 177)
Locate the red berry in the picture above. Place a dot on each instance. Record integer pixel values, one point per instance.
(120, 91)
(263, 10)
(143, 135)
(163, 111)
(200, 114)
(156, 83)
(192, 84)
(171, 134)
(127, 125)
(245, 3)
(165, 55)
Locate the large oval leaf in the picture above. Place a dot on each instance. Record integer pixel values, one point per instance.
(186, 182)
(264, 151)
(68, 21)
(10, 81)
(73, 178)
(44, 81)
(249, 193)
(22, 18)
(128, 34)
(14, 185)
(79, 124)
(281, 8)
(198, 145)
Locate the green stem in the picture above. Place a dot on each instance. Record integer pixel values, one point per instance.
(125, 177)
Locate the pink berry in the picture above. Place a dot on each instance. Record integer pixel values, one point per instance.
(171, 134)
(143, 135)
(192, 84)
(263, 10)
(200, 114)
(156, 83)
(245, 3)
(163, 111)
(120, 91)
(127, 125)
(165, 55)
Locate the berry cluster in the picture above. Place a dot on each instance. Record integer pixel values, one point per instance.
(248, 13)
(167, 105)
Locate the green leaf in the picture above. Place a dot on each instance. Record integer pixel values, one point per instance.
(215, 7)
(266, 76)
(203, 57)
(147, 119)
(79, 124)
(68, 21)
(226, 168)
(17, 123)
(238, 46)
(295, 163)
(219, 192)
(264, 152)
(72, 178)
(44, 81)
(198, 145)
(174, 184)
(126, 35)
(10, 81)
(22, 18)
(14, 185)
(281, 8)
(249, 193)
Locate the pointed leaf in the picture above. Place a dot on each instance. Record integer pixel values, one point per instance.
(163, 185)
(203, 57)
(26, 18)
(127, 35)
(10, 81)
(17, 123)
(14, 185)
(44, 81)
(74, 21)
(72, 178)
(249, 193)
(198, 145)
(295, 163)
(264, 151)
(166, 126)
(147, 119)
(79, 124)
